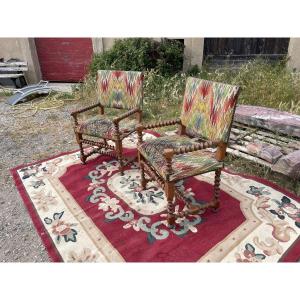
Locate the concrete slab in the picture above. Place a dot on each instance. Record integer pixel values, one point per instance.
(61, 87)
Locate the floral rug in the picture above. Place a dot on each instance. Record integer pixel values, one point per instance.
(91, 213)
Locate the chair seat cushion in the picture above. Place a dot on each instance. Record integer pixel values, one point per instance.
(103, 127)
(183, 165)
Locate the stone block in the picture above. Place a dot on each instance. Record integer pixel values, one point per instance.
(289, 165)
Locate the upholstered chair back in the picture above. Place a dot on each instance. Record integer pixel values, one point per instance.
(120, 89)
(208, 108)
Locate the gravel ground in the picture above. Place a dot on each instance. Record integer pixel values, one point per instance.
(25, 140)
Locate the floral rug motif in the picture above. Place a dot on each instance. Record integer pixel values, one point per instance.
(91, 213)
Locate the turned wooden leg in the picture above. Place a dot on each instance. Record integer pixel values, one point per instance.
(216, 199)
(105, 141)
(78, 139)
(170, 192)
(142, 169)
(119, 151)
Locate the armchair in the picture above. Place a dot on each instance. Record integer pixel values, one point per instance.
(207, 113)
(115, 89)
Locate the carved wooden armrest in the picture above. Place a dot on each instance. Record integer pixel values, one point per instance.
(169, 153)
(195, 147)
(127, 114)
(159, 124)
(140, 127)
(76, 112)
(220, 153)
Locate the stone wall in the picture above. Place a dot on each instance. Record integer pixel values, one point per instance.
(23, 49)
(294, 54)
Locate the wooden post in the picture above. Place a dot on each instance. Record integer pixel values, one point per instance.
(119, 151)
(143, 178)
(169, 187)
(119, 148)
(221, 151)
(139, 130)
(168, 154)
(101, 110)
(182, 129)
(216, 200)
(170, 192)
(139, 116)
(78, 139)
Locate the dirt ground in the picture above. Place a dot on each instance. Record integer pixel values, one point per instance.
(24, 140)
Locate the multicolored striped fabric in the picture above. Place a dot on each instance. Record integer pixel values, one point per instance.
(183, 165)
(120, 89)
(208, 108)
(101, 126)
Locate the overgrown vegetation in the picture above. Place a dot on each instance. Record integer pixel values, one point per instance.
(263, 83)
(141, 54)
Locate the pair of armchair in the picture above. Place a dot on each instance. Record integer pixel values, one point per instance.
(198, 147)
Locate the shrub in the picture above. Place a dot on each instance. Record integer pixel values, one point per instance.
(141, 54)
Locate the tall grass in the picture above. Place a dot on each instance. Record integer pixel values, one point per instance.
(265, 84)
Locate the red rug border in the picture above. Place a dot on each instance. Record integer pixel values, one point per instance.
(39, 226)
(53, 253)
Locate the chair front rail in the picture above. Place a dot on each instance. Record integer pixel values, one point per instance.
(192, 209)
(153, 175)
(98, 144)
(100, 151)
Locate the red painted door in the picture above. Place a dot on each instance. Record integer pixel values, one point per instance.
(64, 59)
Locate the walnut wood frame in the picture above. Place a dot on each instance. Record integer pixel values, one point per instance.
(103, 146)
(169, 185)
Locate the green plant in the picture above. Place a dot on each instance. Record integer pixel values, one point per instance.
(141, 54)
(193, 70)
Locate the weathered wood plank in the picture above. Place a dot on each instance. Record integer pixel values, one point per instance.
(11, 75)
(268, 118)
(13, 63)
(249, 157)
(13, 69)
(289, 165)
(264, 133)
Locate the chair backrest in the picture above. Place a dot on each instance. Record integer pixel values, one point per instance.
(120, 89)
(208, 108)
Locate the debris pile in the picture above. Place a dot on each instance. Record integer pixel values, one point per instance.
(268, 137)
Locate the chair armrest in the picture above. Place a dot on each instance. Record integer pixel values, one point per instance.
(169, 153)
(140, 127)
(127, 114)
(158, 124)
(195, 147)
(76, 112)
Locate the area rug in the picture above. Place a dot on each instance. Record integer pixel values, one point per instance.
(86, 213)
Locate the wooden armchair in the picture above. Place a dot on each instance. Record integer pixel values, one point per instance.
(207, 113)
(115, 89)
